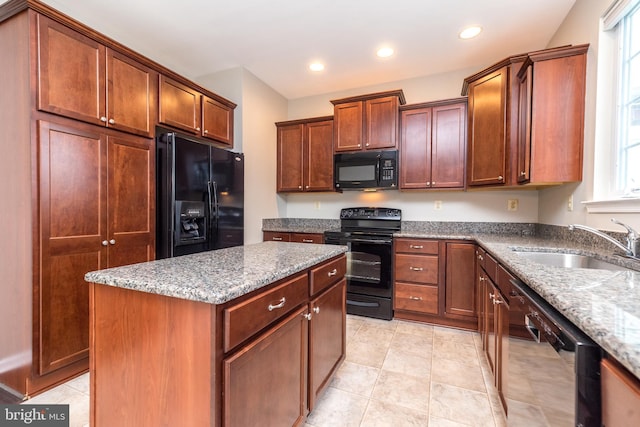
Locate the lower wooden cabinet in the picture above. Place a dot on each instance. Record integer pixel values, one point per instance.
(327, 339)
(265, 382)
(434, 281)
(620, 395)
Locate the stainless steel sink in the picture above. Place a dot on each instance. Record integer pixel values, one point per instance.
(559, 259)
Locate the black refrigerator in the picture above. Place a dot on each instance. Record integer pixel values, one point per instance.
(200, 196)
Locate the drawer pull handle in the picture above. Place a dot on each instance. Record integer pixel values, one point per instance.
(332, 272)
(416, 246)
(415, 298)
(277, 238)
(416, 268)
(307, 241)
(279, 305)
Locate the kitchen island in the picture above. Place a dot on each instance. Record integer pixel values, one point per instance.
(227, 337)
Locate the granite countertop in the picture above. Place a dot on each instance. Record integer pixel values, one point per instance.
(604, 304)
(217, 276)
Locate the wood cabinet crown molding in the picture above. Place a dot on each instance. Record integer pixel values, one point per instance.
(398, 92)
(430, 104)
(304, 121)
(13, 7)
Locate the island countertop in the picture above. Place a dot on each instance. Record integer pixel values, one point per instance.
(218, 276)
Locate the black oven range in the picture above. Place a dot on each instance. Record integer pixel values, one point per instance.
(368, 233)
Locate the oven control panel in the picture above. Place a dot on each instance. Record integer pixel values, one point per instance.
(371, 213)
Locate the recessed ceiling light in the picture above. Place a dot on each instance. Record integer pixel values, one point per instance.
(385, 52)
(470, 32)
(316, 66)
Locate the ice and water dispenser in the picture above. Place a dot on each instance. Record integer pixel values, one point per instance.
(191, 223)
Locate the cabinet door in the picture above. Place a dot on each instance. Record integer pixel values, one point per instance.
(318, 159)
(415, 149)
(327, 346)
(620, 395)
(448, 146)
(265, 383)
(381, 120)
(490, 321)
(71, 73)
(348, 119)
(487, 129)
(290, 158)
(72, 204)
(179, 105)
(217, 121)
(131, 200)
(524, 126)
(460, 296)
(131, 95)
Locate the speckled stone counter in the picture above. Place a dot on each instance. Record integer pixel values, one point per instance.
(604, 304)
(217, 276)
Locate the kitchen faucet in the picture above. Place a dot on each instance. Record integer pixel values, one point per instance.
(633, 238)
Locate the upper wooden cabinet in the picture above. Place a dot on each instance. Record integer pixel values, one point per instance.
(187, 108)
(84, 80)
(433, 144)
(526, 119)
(551, 119)
(305, 155)
(367, 122)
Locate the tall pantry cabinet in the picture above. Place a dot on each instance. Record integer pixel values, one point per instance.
(77, 173)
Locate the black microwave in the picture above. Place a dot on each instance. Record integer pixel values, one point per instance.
(367, 169)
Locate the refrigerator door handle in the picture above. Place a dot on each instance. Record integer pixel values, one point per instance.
(215, 202)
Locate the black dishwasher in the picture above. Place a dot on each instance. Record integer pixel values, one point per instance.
(556, 374)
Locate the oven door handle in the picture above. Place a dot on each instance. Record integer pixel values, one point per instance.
(368, 241)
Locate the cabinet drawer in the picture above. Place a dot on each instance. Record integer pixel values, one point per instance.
(491, 267)
(306, 237)
(276, 236)
(250, 316)
(420, 298)
(417, 246)
(481, 255)
(416, 268)
(327, 274)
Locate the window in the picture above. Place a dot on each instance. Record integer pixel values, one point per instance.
(627, 123)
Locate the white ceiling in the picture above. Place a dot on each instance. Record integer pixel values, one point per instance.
(276, 40)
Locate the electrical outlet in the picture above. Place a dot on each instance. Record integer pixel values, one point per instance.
(317, 205)
(512, 205)
(570, 203)
(437, 205)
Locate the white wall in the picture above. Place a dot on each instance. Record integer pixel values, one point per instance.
(259, 107)
(582, 26)
(490, 206)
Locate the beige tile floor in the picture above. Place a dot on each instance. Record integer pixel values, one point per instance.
(395, 373)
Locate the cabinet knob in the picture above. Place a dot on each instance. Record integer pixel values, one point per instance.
(366, 145)
(523, 173)
(415, 298)
(500, 178)
(198, 129)
(103, 119)
(480, 257)
(306, 186)
(307, 316)
(112, 122)
(105, 243)
(359, 145)
(206, 131)
(316, 310)
(416, 268)
(300, 187)
(481, 278)
(332, 272)
(112, 241)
